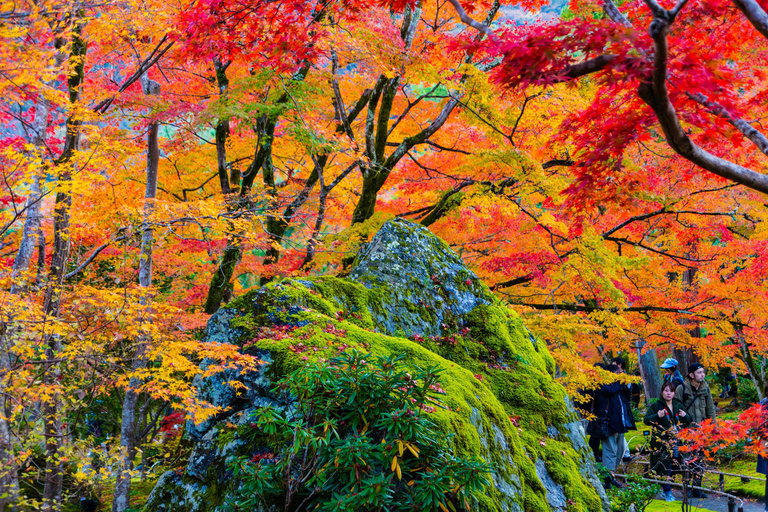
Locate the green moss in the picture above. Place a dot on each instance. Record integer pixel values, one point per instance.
(517, 375)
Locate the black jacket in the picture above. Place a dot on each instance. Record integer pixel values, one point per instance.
(611, 402)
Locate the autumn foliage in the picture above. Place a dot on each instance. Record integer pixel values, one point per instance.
(602, 169)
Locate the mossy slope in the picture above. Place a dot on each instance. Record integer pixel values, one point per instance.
(409, 294)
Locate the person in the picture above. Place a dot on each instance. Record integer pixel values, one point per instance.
(589, 405)
(728, 384)
(695, 395)
(626, 390)
(671, 374)
(666, 415)
(696, 398)
(612, 408)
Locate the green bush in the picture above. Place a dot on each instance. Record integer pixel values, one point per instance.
(356, 436)
(636, 491)
(747, 390)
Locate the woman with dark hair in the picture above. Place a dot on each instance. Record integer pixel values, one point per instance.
(666, 415)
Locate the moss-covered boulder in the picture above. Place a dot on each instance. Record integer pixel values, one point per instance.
(408, 293)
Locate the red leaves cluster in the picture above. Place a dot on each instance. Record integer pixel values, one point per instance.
(543, 54)
(276, 332)
(172, 424)
(279, 35)
(532, 263)
(712, 436)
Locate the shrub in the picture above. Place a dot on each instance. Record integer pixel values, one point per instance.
(636, 491)
(356, 436)
(747, 391)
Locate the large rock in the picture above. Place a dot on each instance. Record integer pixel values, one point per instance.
(408, 293)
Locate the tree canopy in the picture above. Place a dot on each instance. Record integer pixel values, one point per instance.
(602, 166)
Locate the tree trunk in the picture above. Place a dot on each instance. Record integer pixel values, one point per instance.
(756, 371)
(51, 408)
(648, 363)
(9, 482)
(312, 243)
(220, 281)
(222, 128)
(366, 205)
(32, 230)
(277, 226)
(52, 413)
(128, 425)
(687, 356)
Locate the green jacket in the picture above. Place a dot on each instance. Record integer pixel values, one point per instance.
(697, 403)
(664, 439)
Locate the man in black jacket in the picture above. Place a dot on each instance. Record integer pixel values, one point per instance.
(626, 390)
(612, 407)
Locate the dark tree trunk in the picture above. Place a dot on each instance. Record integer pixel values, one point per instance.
(222, 128)
(366, 205)
(648, 363)
(756, 370)
(52, 487)
(220, 281)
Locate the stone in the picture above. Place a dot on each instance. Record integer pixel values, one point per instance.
(409, 294)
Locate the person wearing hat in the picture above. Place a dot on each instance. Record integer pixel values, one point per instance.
(698, 404)
(670, 372)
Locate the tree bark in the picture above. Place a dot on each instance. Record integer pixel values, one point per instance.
(220, 285)
(128, 425)
(32, 223)
(648, 362)
(756, 370)
(222, 128)
(32, 239)
(52, 488)
(222, 276)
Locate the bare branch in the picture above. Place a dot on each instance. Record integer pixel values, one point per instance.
(93, 255)
(338, 104)
(467, 20)
(746, 129)
(150, 61)
(656, 95)
(755, 14)
(558, 163)
(613, 12)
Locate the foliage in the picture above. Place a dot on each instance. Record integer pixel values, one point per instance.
(356, 435)
(747, 434)
(636, 491)
(747, 391)
(542, 151)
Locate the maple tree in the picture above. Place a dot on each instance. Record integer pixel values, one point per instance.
(159, 159)
(678, 77)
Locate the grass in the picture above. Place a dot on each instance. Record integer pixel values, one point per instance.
(733, 485)
(636, 439)
(669, 506)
